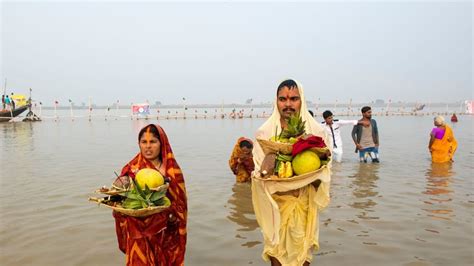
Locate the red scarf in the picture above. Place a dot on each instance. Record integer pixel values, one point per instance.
(308, 143)
(155, 240)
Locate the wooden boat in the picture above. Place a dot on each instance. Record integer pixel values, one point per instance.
(7, 115)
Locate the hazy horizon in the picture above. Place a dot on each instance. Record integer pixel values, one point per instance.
(229, 52)
(67, 105)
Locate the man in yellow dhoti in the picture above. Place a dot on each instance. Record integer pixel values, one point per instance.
(287, 212)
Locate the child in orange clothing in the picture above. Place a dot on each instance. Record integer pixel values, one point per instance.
(241, 160)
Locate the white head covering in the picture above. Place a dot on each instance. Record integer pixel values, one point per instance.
(267, 130)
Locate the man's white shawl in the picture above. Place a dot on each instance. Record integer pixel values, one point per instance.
(265, 207)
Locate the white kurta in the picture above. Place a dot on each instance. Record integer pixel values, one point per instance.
(336, 127)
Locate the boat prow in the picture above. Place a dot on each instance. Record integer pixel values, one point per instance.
(7, 115)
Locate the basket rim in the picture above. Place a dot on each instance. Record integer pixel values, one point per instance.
(274, 142)
(293, 178)
(139, 212)
(113, 191)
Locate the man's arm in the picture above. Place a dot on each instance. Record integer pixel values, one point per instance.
(376, 131)
(354, 137)
(354, 134)
(347, 122)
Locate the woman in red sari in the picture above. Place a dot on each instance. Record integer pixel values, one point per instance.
(158, 239)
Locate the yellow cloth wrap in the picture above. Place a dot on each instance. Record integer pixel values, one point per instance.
(286, 214)
(443, 149)
(298, 228)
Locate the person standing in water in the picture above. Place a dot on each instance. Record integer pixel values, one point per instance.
(158, 239)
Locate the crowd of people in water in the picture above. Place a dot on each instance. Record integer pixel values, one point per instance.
(287, 212)
(289, 250)
(442, 144)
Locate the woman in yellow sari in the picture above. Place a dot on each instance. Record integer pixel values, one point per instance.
(442, 144)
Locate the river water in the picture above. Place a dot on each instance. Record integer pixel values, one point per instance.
(403, 211)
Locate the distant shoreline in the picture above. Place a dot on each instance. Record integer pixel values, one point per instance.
(262, 105)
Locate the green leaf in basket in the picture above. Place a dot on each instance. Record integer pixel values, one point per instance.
(138, 189)
(164, 201)
(134, 196)
(148, 196)
(135, 184)
(157, 195)
(277, 166)
(147, 190)
(132, 204)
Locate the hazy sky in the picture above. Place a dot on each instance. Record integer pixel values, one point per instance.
(212, 52)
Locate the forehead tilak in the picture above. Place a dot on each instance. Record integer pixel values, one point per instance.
(289, 92)
(148, 134)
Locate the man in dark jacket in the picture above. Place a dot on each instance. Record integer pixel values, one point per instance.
(366, 138)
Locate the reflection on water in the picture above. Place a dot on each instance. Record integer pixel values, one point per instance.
(364, 185)
(438, 191)
(242, 212)
(18, 136)
(22, 132)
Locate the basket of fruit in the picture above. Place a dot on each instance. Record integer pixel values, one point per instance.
(283, 167)
(145, 196)
(275, 145)
(283, 143)
(293, 155)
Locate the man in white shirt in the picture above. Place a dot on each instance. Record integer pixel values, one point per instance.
(332, 127)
